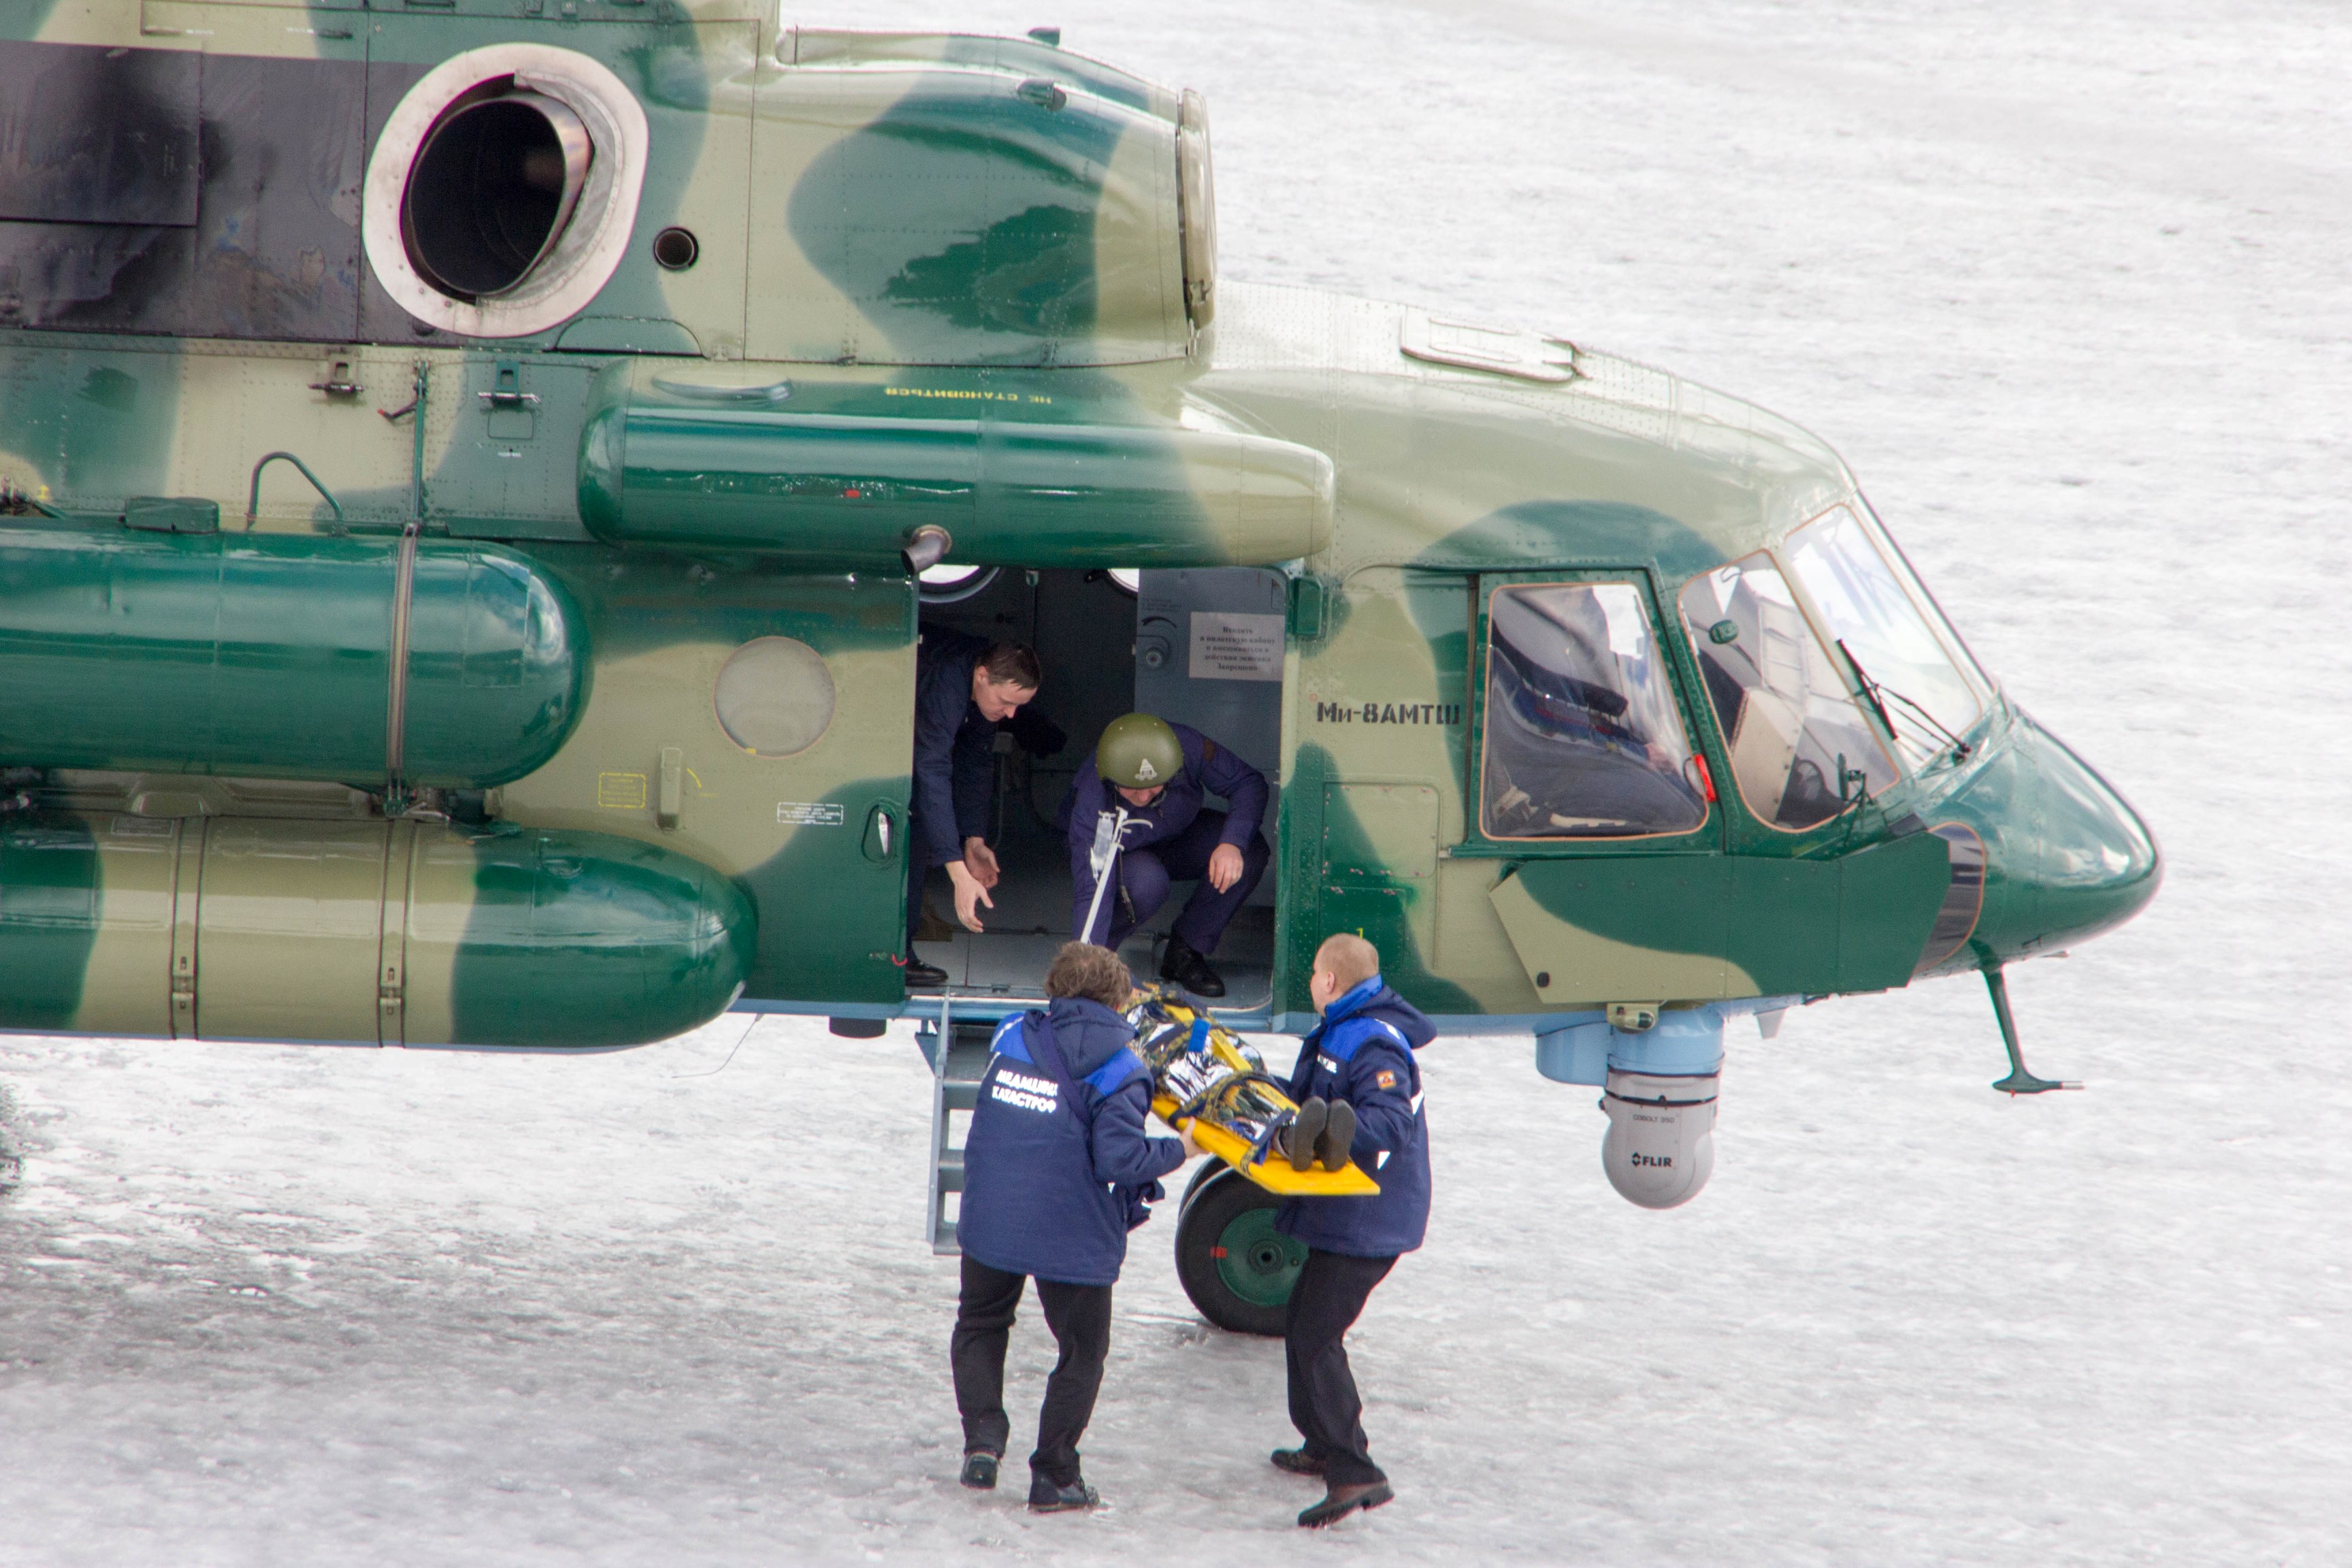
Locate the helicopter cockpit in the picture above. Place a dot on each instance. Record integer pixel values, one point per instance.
(1802, 748)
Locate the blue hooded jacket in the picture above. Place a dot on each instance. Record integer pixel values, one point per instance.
(1363, 1052)
(1057, 1167)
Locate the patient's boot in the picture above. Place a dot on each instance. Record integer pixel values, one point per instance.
(1297, 1140)
(1338, 1135)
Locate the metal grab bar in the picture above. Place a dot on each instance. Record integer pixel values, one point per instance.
(252, 495)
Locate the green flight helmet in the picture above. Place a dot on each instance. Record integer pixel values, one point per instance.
(1139, 751)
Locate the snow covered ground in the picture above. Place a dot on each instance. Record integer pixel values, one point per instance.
(2068, 286)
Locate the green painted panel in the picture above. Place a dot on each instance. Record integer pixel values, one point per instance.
(587, 940)
(1783, 927)
(1666, 903)
(2066, 857)
(1332, 883)
(836, 915)
(49, 921)
(847, 472)
(1571, 533)
(88, 427)
(1783, 923)
(962, 220)
(1889, 895)
(1020, 56)
(271, 654)
(510, 472)
(498, 668)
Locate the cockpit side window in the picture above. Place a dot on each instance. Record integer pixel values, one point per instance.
(1788, 717)
(1918, 684)
(1583, 739)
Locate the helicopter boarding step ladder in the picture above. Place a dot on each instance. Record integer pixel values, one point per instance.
(955, 1041)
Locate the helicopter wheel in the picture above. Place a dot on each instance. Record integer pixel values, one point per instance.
(1236, 1267)
(1209, 1171)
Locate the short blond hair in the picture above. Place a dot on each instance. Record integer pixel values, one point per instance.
(1347, 959)
(1082, 969)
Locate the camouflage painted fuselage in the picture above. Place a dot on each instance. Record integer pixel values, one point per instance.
(935, 282)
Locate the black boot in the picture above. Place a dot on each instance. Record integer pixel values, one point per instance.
(1338, 1136)
(1297, 1461)
(979, 1470)
(1044, 1497)
(1190, 970)
(1340, 1501)
(920, 975)
(1298, 1139)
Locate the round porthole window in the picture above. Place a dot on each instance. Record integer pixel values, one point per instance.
(774, 697)
(501, 193)
(949, 584)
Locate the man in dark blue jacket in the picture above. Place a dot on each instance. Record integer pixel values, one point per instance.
(1160, 774)
(1360, 1057)
(964, 688)
(1056, 1170)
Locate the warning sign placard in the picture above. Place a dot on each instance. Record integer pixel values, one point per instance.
(1232, 647)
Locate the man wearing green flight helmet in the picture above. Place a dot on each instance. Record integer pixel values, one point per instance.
(1160, 776)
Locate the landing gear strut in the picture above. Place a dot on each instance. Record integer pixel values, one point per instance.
(2018, 1081)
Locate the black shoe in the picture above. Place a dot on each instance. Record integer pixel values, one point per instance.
(1340, 1501)
(1299, 1138)
(979, 1471)
(1338, 1136)
(920, 975)
(1044, 1497)
(1190, 970)
(1297, 1461)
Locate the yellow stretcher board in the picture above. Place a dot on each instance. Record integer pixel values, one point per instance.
(1272, 1173)
(1251, 1099)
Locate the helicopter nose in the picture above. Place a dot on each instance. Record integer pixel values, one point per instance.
(2066, 857)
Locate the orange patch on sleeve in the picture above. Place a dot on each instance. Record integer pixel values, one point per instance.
(1385, 1079)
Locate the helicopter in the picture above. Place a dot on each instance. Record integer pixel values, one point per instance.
(474, 475)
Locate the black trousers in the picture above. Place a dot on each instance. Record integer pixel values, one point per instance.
(1079, 1318)
(1324, 1305)
(918, 871)
(1145, 873)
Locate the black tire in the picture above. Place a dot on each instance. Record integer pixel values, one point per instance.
(1209, 1170)
(1235, 1265)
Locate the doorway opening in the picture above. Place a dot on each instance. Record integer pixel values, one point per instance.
(1200, 647)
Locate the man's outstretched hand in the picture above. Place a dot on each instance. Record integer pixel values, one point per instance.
(969, 892)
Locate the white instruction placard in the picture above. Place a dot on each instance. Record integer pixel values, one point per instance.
(1230, 646)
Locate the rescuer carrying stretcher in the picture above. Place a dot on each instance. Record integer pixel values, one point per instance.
(1140, 802)
(1057, 1170)
(1359, 1058)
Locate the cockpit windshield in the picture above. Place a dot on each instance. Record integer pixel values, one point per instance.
(1583, 739)
(1917, 683)
(1801, 749)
